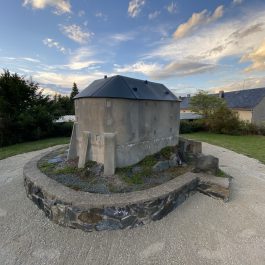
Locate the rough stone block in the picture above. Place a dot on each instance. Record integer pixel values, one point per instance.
(161, 166)
(208, 164)
(85, 150)
(72, 153)
(109, 153)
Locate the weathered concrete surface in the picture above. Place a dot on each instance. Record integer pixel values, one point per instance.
(201, 231)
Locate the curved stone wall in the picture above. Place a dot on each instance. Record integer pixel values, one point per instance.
(91, 211)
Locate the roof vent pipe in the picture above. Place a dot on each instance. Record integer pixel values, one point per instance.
(188, 95)
(105, 76)
(146, 82)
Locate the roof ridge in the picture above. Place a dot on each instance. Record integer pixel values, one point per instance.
(122, 78)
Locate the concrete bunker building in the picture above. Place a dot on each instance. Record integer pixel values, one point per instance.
(120, 120)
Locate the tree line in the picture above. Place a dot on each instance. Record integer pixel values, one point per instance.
(27, 114)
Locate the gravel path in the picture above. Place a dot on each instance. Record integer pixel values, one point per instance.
(200, 231)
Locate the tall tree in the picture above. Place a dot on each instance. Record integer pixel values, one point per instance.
(205, 104)
(72, 95)
(74, 91)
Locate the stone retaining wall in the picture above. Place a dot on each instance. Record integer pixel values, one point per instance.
(96, 212)
(88, 211)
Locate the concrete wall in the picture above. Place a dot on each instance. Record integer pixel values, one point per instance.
(141, 127)
(259, 112)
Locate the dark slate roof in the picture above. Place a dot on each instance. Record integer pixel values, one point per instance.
(242, 99)
(128, 88)
(185, 103)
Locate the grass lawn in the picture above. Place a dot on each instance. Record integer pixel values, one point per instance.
(31, 146)
(250, 145)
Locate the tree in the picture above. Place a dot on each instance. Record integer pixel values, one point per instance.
(74, 91)
(72, 95)
(205, 104)
(25, 113)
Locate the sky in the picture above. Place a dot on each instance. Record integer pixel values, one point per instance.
(188, 45)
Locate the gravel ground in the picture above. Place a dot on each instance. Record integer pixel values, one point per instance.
(200, 231)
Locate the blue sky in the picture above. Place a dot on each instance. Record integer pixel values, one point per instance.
(185, 44)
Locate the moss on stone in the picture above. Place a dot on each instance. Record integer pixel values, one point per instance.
(67, 170)
(166, 152)
(46, 166)
(221, 174)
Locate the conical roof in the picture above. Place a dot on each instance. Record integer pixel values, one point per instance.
(127, 88)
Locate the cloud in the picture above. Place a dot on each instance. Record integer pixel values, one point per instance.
(65, 80)
(234, 37)
(196, 20)
(51, 43)
(122, 37)
(139, 67)
(247, 83)
(101, 15)
(237, 2)
(81, 13)
(159, 71)
(61, 6)
(135, 7)
(75, 33)
(172, 8)
(82, 58)
(154, 15)
(257, 58)
(28, 59)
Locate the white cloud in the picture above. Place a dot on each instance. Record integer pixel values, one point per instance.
(82, 58)
(196, 20)
(66, 80)
(206, 50)
(154, 15)
(237, 2)
(101, 15)
(172, 8)
(257, 58)
(28, 59)
(139, 67)
(81, 13)
(61, 6)
(245, 83)
(51, 43)
(235, 37)
(159, 71)
(135, 7)
(76, 33)
(122, 37)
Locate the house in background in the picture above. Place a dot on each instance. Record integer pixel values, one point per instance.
(248, 103)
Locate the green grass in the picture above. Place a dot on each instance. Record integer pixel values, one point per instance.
(250, 145)
(31, 146)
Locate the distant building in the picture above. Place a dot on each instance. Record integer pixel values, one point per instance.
(120, 120)
(66, 118)
(189, 116)
(248, 103)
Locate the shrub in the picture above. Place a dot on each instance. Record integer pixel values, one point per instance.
(192, 126)
(224, 121)
(62, 129)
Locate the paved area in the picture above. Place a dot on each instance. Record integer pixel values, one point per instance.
(201, 231)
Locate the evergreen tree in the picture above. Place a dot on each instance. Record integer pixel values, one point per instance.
(74, 91)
